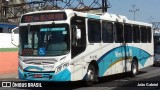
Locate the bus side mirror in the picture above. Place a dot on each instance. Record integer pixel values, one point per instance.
(13, 37)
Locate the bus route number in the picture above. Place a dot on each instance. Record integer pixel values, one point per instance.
(93, 57)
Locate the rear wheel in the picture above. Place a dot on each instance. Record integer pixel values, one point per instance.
(134, 68)
(91, 76)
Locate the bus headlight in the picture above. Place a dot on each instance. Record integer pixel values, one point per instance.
(63, 66)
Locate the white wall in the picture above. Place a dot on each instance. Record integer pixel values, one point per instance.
(5, 40)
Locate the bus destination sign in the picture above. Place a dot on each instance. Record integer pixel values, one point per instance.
(40, 17)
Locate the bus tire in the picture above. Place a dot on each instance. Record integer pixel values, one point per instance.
(91, 76)
(134, 68)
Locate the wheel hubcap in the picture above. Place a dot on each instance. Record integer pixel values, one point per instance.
(90, 75)
(134, 69)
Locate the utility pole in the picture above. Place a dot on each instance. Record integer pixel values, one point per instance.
(105, 5)
(134, 11)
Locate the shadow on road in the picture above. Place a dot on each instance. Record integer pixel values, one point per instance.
(108, 81)
(118, 77)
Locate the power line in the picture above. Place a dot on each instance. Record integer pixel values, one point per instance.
(14, 8)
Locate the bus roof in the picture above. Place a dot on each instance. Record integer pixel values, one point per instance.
(112, 17)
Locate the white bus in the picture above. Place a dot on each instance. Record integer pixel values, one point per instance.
(66, 45)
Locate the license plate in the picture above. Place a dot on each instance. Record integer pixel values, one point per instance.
(37, 76)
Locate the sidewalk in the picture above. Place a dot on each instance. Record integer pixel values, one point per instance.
(8, 64)
(8, 76)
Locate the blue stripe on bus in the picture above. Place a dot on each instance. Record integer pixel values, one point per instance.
(93, 16)
(64, 75)
(115, 54)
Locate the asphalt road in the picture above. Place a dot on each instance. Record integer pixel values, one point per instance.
(147, 79)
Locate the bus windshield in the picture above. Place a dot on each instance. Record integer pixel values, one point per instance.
(44, 40)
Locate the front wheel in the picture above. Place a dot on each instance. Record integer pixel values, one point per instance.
(134, 68)
(91, 76)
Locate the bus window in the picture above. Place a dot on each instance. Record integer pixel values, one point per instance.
(119, 33)
(149, 34)
(128, 33)
(143, 34)
(136, 34)
(94, 31)
(1, 30)
(107, 32)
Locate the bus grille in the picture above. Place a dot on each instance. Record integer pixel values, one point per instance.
(40, 62)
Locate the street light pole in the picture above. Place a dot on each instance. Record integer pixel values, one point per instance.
(134, 11)
(105, 5)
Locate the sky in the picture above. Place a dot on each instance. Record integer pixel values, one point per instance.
(149, 10)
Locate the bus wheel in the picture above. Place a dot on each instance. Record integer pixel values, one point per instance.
(134, 68)
(91, 76)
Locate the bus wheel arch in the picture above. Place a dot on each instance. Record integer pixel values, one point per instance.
(92, 68)
(134, 67)
(95, 64)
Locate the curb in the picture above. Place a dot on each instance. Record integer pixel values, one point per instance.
(7, 76)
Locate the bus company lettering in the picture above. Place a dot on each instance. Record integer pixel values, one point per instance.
(47, 66)
(122, 54)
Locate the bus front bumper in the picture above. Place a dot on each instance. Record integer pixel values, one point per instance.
(64, 75)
